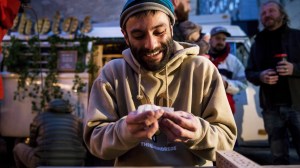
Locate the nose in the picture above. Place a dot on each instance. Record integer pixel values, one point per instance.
(151, 42)
(267, 13)
(189, 8)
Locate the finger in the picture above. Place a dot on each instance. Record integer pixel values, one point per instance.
(182, 119)
(152, 130)
(175, 131)
(271, 73)
(146, 118)
(134, 129)
(283, 71)
(148, 132)
(281, 63)
(170, 135)
(143, 132)
(149, 120)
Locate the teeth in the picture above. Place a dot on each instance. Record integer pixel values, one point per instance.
(152, 54)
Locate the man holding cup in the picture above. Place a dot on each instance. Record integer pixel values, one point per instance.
(274, 65)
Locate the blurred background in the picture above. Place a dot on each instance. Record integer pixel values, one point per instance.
(242, 12)
(240, 16)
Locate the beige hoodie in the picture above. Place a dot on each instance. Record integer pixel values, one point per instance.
(189, 83)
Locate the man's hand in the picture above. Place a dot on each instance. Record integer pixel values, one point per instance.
(284, 68)
(269, 76)
(180, 126)
(225, 84)
(143, 125)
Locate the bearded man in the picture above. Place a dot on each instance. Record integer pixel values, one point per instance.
(229, 66)
(274, 65)
(161, 104)
(182, 9)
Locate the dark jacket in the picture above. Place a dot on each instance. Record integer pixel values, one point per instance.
(290, 41)
(177, 33)
(56, 136)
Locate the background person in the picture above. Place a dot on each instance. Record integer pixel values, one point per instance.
(192, 33)
(279, 80)
(167, 75)
(182, 9)
(185, 30)
(229, 66)
(55, 139)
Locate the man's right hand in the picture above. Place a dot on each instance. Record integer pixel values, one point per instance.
(143, 125)
(269, 76)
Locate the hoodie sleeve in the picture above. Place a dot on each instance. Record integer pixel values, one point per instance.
(105, 131)
(218, 128)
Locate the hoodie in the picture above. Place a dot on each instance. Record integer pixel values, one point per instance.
(188, 82)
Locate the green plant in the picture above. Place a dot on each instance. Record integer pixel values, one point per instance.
(39, 80)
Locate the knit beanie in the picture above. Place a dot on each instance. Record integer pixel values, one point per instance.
(134, 6)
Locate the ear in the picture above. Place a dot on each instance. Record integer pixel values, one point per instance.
(125, 36)
(175, 3)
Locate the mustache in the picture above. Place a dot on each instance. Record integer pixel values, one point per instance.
(269, 18)
(145, 51)
(220, 45)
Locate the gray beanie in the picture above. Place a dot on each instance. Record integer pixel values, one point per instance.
(134, 6)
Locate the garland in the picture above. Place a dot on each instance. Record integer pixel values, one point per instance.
(29, 72)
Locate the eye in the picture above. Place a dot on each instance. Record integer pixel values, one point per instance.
(138, 35)
(159, 31)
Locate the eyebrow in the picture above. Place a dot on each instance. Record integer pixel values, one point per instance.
(155, 27)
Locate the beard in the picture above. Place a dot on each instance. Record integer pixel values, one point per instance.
(181, 14)
(271, 23)
(218, 48)
(166, 48)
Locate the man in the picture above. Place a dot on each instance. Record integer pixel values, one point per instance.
(278, 79)
(182, 9)
(182, 25)
(230, 67)
(55, 139)
(168, 76)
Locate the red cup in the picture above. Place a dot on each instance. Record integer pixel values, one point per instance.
(281, 57)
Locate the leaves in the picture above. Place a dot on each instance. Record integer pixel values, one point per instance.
(25, 59)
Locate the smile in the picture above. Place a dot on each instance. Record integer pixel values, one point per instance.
(153, 54)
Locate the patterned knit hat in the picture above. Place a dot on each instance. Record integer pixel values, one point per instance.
(134, 6)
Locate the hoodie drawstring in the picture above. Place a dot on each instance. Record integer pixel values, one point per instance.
(167, 83)
(139, 96)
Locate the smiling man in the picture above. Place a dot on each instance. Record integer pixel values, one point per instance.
(278, 78)
(190, 119)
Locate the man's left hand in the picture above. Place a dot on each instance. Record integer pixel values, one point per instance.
(180, 126)
(284, 68)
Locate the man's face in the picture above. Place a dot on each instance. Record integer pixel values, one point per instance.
(182, 10)
(271, 17)
(218, 42)
(150, 39)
